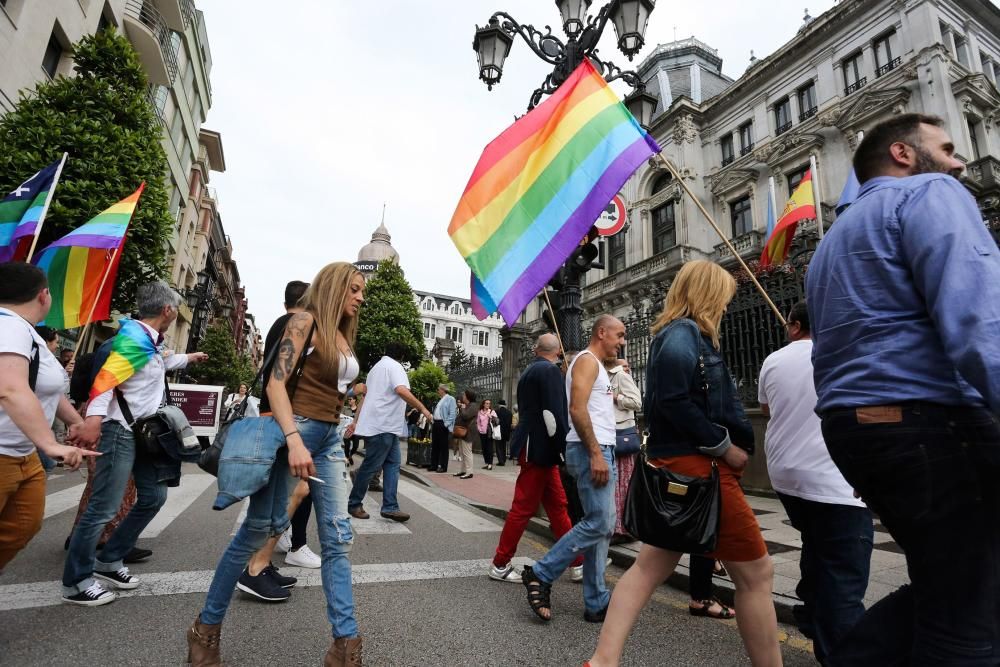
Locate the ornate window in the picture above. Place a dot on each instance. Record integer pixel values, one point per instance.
(664, 228)
(782, 116)
(661, 182)
(727, 149)
(616, 253)
(742, 216)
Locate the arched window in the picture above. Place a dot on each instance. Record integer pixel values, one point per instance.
(456, 309)
(661, 182)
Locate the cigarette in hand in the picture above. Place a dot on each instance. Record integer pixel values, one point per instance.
(316, 479)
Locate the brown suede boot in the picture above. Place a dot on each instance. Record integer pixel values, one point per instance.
(203, 644)
(344, 652)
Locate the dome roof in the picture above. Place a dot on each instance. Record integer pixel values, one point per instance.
(380, 247)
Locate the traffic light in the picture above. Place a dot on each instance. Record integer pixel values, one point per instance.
(584, 256)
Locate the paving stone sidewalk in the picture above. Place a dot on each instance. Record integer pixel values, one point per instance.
(493, 491)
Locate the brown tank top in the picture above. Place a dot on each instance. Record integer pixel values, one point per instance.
(316, 394)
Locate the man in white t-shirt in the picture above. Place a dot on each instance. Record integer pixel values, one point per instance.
(32, 384)
(837, 529)
(381, 421)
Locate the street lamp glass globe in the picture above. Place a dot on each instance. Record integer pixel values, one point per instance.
(630, 18)
(574, 15)
(641, 105)
(492, 45)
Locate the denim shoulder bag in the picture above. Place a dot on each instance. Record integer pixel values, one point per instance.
(210, 456)
(673, 511)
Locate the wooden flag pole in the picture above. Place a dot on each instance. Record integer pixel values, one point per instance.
(697, 202)
(562, 350)
(45, 208)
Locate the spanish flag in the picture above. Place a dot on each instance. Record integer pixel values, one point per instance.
(801, 206)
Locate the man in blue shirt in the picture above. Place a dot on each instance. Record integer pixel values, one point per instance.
(442, 425)
(904, 297)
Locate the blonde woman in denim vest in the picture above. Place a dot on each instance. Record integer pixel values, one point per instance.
(326, 329)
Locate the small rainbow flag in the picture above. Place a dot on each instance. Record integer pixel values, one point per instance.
(801, 206)
(82, 266)
(131, 349)
(539, 187)
(23, 210)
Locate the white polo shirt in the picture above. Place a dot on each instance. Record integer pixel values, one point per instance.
(16, 336)
(383, 410)
(798, 462)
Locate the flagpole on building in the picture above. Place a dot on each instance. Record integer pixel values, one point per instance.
(817, 199)
(45, 207)
(677, 177)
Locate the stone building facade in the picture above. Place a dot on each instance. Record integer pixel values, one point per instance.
(844, 71)
(448, 322)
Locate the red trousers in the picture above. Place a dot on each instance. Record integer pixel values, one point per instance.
(535, 485)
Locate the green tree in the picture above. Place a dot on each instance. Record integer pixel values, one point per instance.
(424, 381)
(224, 365)
(102, 118)
(389, 315)
(458, 359)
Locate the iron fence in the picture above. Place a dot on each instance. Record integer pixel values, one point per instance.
(484, 378)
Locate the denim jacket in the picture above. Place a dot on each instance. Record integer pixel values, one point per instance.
(247, 457)
(691, 402)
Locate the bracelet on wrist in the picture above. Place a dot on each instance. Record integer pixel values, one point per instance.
(290, 433)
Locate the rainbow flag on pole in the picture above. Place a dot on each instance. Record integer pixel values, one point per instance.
(82, 266)
(23, 211)
(801, 206)
(539, 187)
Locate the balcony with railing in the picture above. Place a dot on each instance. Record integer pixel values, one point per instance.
(150, 34)
(807, 114)
(728, 160)
(856, 86)
(750, 243)
(888, 67)
(746, 150)
(663, 263)
(781, 129)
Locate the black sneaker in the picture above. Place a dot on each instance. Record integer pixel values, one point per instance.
(282, 580)
(94, 596)
(262, 587)
(137, 555)
(120, 578)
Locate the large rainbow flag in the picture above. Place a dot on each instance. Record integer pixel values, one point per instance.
(539, 187)
(801, 206)
(23, 210)
(82, 266)
(131, 349)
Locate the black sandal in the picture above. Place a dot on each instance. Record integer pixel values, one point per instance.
(719, 570)
(724, 615)
(538, 593)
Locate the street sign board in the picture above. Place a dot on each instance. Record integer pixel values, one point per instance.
(612, 220)
(201, 404)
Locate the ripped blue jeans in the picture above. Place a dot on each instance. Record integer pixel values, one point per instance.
(267, 516)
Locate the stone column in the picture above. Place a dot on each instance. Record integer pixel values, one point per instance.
(512, 338)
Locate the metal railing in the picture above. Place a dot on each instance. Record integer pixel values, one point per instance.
(856, 86)
(781, 129)
(807, 114)
(728, 160)
(145, 13)
(888, 67)
(482, 377)
(746, 150)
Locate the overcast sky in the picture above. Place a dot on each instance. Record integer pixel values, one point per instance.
(328, 109)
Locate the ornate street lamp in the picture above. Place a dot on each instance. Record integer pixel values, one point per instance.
(583, 31)
(641, 105)
(493, 42)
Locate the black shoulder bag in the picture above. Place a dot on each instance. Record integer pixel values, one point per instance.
(673, 511)
(209, 460)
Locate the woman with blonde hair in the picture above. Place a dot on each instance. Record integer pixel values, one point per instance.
(696, 420)
(314, 366)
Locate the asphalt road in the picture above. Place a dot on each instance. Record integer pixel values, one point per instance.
(422, 597)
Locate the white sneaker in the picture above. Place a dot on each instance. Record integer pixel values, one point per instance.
(284, 542)
(576, 573)
(505, 573)
(304, 557)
